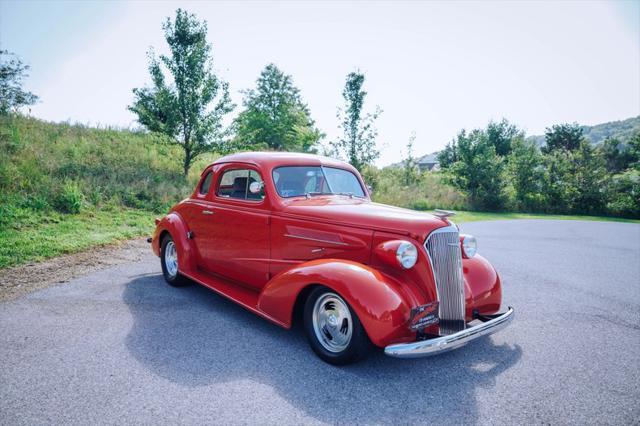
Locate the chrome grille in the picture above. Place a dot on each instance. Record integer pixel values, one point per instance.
(443, 247)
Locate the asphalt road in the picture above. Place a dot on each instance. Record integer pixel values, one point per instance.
(120, 346)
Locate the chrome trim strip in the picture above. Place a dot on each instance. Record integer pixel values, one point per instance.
(316, 240)
(452, 341)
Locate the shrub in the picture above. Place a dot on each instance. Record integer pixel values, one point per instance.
(70, 198)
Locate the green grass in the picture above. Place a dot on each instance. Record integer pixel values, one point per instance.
(466, 216)
(58, 234)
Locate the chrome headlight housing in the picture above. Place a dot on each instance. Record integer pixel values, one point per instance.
(469, 246)
(407, 255)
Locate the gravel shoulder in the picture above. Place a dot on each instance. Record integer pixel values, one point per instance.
(20, 280)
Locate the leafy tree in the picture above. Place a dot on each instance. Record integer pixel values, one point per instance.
(448, 155)
(190, 107)
(563, 136)
(12, 73)
(634, 151)
(358, 143)
(478, 170)
(501, 135)
(275, 117)
(624, 193)
(589, 178)
(410, 164)
(617, 155)
(526, 175)
(576, 180)
(558, 188)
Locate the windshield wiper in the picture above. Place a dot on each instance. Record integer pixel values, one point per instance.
(310, 194)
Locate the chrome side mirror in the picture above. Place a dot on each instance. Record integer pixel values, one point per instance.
(256, 187)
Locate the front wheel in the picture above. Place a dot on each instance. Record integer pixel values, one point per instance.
(169, 262)
(333, 329)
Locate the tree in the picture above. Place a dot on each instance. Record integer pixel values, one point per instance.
(526, 175)
(12, 73)
(477, 170)
(275, 117)
(617, 156)
(358, 143)
(562, 136)
(410, 164)
(501, 135)
(576, 181)
(190, 107)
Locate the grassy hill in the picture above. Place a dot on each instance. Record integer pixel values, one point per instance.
(66, 187)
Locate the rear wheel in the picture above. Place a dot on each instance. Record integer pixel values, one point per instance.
(333, 329)
(169, 262)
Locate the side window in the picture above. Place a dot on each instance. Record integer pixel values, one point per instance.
(206, 184)
(238, 184)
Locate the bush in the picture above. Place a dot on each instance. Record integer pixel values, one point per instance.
(70, 198)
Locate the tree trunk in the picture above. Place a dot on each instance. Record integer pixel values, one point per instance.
(187, 162)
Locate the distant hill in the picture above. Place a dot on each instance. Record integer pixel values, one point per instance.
(621, 130)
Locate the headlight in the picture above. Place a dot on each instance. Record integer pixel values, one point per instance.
(407, 255)
(469, 246)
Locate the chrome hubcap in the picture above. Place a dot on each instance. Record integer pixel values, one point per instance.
(171, 259)
(332, 322)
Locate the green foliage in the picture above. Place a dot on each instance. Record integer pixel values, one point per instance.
(477, 170)
(501, 135)
(525, 174)
(563, 136)
(624, 194)
(427, 192)
(12, 73)
(189, 109)
(358, 143)
(410, 164)
(65, 167)
(70, 198)
(275, 117)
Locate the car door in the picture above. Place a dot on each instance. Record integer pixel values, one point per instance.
(237, 242)
(197, 214)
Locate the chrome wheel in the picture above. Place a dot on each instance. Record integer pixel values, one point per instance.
(332, 322)
(171, 259)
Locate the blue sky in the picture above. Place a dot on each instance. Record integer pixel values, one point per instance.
(434, 68)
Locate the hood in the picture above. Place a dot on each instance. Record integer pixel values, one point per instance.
(364, 214)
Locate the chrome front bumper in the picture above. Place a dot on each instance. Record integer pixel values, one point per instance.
(452, 341)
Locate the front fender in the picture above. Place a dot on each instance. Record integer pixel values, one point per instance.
(380, 302)
(177, 228)
(483, 290)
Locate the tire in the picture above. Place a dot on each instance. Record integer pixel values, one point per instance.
(169, 263)
(334, 331)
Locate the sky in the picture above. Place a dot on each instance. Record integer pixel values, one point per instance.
(433, 67)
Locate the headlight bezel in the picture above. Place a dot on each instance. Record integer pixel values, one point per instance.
(407, 255)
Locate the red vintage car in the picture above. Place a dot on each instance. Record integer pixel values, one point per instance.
(296, 237)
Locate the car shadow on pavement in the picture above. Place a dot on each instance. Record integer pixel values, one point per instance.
(195, 338)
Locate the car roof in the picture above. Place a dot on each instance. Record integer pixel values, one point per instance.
(277, 159)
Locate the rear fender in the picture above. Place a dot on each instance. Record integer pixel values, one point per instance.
(380, 302)
(177, 228)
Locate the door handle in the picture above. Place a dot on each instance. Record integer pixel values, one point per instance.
(207, 212)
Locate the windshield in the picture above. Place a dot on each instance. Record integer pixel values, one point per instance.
(294, 181)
